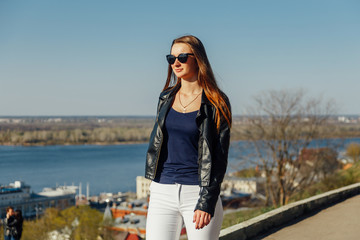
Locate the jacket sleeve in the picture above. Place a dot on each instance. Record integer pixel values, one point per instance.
(12, 223)
(209, 194)
(151, 151)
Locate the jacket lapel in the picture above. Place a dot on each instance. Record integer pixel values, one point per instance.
(204, 109)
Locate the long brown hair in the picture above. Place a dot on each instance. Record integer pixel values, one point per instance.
(206, 78)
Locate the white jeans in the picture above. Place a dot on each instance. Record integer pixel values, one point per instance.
(170, 206)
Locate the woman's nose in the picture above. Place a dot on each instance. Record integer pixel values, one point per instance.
(177, 63)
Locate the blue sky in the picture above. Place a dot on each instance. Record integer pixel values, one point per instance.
(88, 57)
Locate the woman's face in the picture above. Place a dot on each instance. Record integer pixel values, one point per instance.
(187, 70)
(10, 212)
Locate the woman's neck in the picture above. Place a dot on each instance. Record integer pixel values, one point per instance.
(189, 88)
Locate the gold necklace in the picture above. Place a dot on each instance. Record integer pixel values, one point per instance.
(184, 107)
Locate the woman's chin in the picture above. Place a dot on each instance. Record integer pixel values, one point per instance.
(185, 77)
(179, 75)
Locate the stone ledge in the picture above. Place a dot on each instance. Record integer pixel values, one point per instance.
(284, 214)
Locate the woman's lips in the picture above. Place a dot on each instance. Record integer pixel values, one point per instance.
(178, 70)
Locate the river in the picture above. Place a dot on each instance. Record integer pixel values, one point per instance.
(111, 168)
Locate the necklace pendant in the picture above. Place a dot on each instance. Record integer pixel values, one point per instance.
(184, 110)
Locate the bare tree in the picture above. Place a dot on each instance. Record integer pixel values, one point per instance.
(318, 163)
(281, 124)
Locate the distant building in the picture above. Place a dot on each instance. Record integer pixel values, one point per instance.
(343, 119)
(316, 163)
(142, 187)
(4, 120)
(33, 204)
(134, 225)
(138, 207)
(229, 185)
(129, 219)
(244, 185)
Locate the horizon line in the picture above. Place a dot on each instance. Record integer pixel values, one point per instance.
(126, 116)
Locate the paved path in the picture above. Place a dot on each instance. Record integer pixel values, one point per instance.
(338, 222)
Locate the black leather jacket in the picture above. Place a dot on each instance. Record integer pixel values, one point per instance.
(213, 148)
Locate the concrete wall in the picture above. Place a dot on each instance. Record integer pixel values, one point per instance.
(279, 216)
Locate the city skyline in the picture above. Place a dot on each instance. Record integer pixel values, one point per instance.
(66, 58)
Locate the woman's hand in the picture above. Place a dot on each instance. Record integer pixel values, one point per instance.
(201, 219)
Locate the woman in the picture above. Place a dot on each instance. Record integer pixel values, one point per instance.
(8, 222)
(188, 148)
(17, 226)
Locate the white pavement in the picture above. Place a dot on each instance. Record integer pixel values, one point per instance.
(338, 222)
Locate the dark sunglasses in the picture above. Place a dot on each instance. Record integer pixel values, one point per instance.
(182, 58)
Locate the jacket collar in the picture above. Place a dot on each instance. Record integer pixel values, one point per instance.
(171, 91)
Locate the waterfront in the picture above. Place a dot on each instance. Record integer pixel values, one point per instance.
(111, 168)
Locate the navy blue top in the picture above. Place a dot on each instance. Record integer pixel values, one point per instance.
(181, 153)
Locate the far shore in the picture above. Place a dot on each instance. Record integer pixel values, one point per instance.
(123, 143)
(72, 144)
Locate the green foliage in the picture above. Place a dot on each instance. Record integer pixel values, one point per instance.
(337, 180)
(247, 173)
(231, 219)
(89, 224)
(85, 223)
(353, 151)
(38, 229)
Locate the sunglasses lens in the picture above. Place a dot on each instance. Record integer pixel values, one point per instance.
(183, 58)
(170, 59)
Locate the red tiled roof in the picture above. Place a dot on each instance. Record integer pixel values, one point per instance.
(132, 237)
(311, 154)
